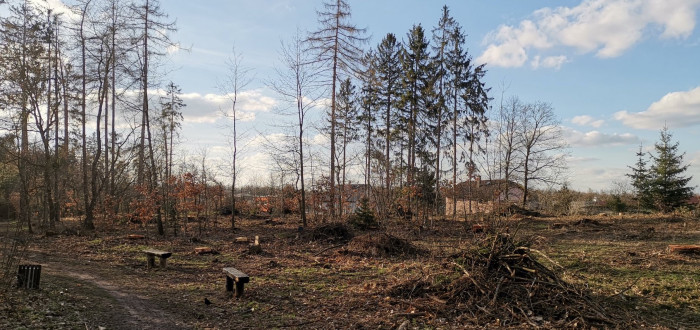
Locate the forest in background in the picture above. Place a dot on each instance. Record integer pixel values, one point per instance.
(90, 130)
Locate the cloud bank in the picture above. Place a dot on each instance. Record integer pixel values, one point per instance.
(599, 139)
(208, 108)
(676, 110)
(606, 27)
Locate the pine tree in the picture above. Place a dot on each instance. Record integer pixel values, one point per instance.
(669, 188)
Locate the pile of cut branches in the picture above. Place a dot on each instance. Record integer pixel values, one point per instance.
(380, 244)
(500, 282)
(332, 233)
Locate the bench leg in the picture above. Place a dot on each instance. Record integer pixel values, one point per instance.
(151, 260)
(162, 262)
(239, 289)
(229, 284)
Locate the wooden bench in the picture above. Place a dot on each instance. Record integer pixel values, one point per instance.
(235, 275)
(151, 256)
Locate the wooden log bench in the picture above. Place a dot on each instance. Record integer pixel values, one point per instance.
(151, 256)
(235, 275)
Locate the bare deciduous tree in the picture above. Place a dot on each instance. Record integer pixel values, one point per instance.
(542, 146)
(238, 77)
(298, 86)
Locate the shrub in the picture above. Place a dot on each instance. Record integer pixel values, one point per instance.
(364, 216)
(616, 204)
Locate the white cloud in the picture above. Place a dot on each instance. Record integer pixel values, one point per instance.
(208, 108)
(599, 178)
(578, 160)
(58, 7)
(320, 140)
(598, 139)
(606, 27)
(512, 44)
(677, 110)
(586, 120)
(173, 48)
(553, 62)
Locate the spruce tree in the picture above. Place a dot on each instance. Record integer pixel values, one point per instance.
(640, 181)
(668, 185)
(389, 90)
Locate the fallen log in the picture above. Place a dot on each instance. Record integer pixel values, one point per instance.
(203, 250)
(684, 249)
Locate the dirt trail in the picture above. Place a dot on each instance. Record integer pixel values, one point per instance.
(142, 314)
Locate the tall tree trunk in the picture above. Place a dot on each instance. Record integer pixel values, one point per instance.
(87, 222)
(235, 174)
(454, 155)
(56, 154)
(302, 207)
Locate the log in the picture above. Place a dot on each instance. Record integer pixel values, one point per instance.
(135, 236)
(241, 239)
(203, 250)
(684, 249)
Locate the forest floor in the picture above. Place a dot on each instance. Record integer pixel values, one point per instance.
(602, 271)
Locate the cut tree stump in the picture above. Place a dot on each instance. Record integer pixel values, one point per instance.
(684, 249)
(135, 236)
(255, 248)
(203, 250)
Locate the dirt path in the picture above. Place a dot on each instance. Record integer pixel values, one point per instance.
(141, 313)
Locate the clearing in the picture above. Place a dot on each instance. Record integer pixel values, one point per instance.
(603, 271)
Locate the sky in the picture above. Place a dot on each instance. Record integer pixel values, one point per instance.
(615, 71)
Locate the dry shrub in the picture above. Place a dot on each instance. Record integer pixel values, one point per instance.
(13, 244)
(381, 244)
(500, 281)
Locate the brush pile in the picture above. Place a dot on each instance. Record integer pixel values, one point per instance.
(500, 283)
(332, 233)
(380, 244)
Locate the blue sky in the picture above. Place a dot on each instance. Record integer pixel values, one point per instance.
(614, 71)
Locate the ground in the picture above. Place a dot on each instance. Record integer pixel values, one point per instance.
(321, 278)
